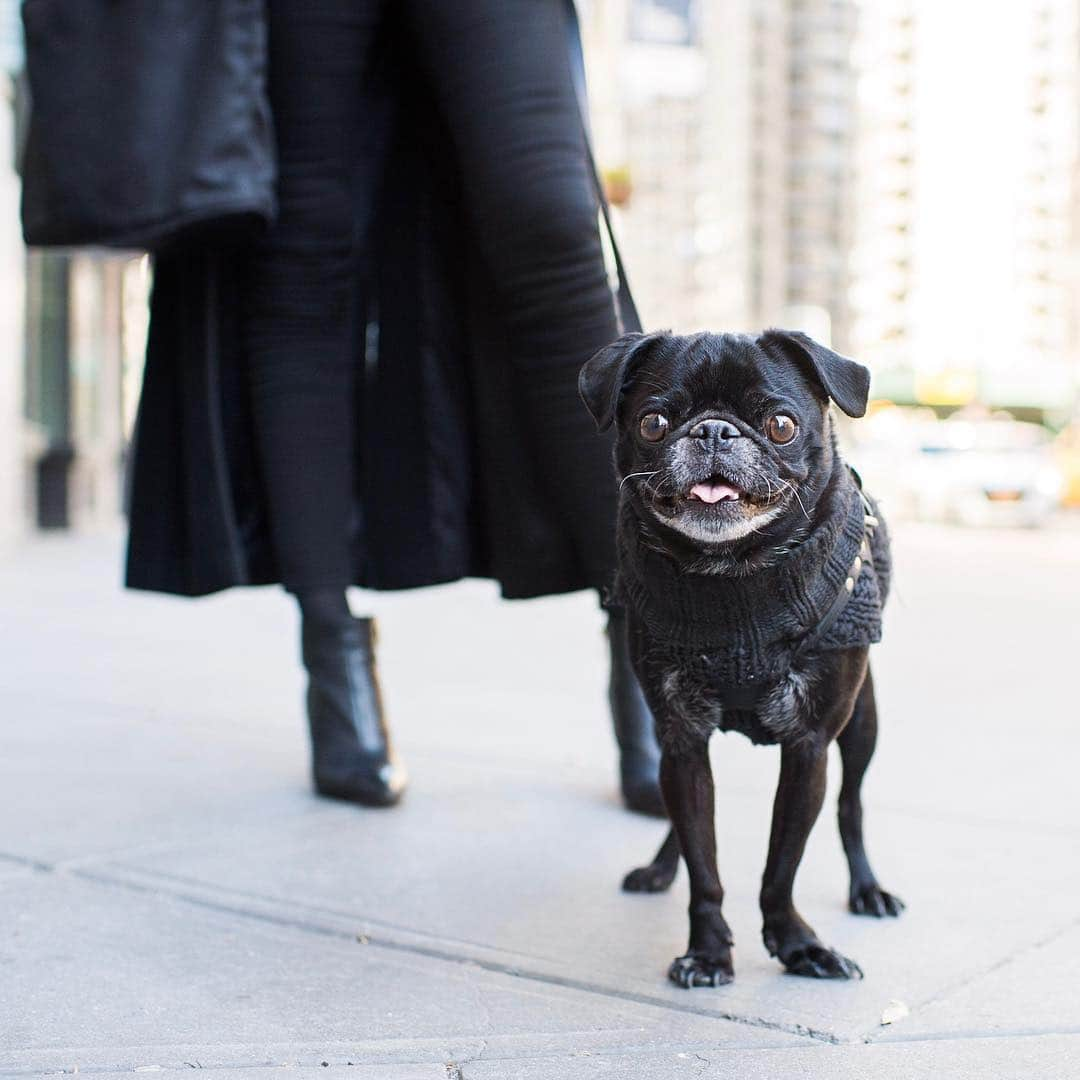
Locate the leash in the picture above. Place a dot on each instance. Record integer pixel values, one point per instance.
(628, 313)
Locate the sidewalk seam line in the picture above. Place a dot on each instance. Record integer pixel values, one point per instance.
(309, 926)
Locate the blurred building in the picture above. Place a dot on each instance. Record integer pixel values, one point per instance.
(735, 123)
(821, 129)
(841, 166)
(966, 265)
(12, 497)
(883, 250)
(1048, 218)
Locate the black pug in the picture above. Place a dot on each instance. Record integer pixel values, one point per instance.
(753, 569)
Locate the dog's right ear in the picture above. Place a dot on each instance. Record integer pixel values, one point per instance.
(604, 376)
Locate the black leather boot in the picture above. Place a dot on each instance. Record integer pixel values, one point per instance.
(635, 730)
(351, 755)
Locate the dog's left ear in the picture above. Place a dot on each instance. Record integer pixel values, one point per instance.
(604, 375)
(844, 380)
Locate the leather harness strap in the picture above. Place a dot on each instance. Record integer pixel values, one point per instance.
(865, 556)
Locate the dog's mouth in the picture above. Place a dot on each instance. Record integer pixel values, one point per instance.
(714, 490)
(716, 509)
(718, 495)
(716, 501)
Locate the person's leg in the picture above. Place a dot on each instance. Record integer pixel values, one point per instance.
(299, 316)
(298, 303)
(502, 76)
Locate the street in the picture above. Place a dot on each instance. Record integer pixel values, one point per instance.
(173, 896)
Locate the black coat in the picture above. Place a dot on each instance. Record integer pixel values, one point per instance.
(437, 406)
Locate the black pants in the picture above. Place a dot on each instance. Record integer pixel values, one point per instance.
(500, 72)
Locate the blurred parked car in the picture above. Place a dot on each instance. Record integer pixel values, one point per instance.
(1067, 451)
(981, 472)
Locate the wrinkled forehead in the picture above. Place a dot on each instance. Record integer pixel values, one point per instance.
(715, 367)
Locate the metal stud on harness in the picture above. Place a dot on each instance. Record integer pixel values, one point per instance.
(863, 558)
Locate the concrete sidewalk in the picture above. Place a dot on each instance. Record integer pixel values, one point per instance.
(173, 897)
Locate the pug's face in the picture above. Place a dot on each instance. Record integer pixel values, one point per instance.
(722, 436)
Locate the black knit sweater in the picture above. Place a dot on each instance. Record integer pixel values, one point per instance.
(752, 626)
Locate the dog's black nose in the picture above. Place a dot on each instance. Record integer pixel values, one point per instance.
(714, 430)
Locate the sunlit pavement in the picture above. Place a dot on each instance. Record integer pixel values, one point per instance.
(172, 895)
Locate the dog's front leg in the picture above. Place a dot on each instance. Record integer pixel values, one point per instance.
(687, 783)
(798, 802)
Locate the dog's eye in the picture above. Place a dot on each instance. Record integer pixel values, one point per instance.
(780, 428)
(653, 427)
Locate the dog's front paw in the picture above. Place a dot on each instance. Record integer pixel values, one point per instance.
(873, 900)
(696, 970)
(651, 878)
(818, 961)
(800, 950)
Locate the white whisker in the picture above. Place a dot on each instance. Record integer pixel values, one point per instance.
(630, 476)
(794, 491)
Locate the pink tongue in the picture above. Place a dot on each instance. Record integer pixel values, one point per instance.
(714, 493)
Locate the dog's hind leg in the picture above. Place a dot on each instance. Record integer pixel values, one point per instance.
(856, 742)
(660, 873)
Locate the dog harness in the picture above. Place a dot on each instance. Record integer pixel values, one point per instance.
(824, 593)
